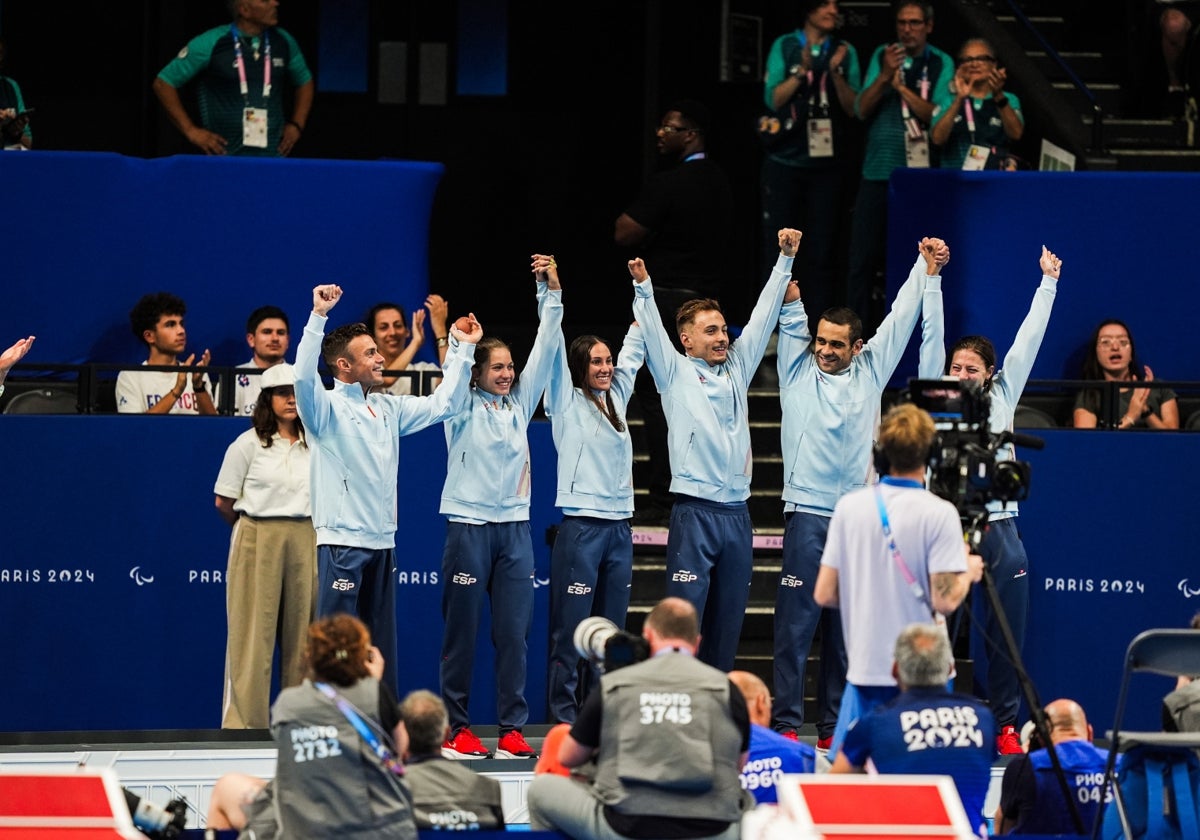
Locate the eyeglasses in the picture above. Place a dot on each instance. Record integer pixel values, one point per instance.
(672, 129)
(1107, 342)
(977, 59)
(909, 24)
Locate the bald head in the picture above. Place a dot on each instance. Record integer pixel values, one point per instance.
(672, 623)
(758, 698)
(1067, 722)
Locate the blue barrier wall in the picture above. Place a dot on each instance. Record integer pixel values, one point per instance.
(1127, 241)
(112, 592)
(95, 231)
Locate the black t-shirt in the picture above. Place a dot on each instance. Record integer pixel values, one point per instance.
(688, 210)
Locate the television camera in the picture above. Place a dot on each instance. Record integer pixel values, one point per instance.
(963, 464)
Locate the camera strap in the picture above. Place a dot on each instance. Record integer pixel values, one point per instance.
(363, 729)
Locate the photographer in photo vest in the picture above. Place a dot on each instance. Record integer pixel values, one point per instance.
(668, 735)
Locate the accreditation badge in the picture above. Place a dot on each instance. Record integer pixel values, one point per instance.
(976, 159)
(916, 150)
(254, 127)
(820, 137)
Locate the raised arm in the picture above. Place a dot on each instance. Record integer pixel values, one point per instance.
(14, 354)
(945, 122)
(884, 64)
(439, 315)
(1010, 118)
(932, 358)
(842, 86)
(1018, 363)
(660, 352)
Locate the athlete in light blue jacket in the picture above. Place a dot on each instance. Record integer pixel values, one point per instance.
(973, 358)
(489, 551)
(591, 565)
(709, 545)
(830, 385)
(354, 438)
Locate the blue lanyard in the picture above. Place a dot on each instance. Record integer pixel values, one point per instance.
(241, 62)
(912, 582)
(364, 731)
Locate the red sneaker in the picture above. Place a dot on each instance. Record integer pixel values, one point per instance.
(823, 744)
(464, 745)
(790, 734)
(513, 745)
(1008, 742)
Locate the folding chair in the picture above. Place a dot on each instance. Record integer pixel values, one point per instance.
(46, 400)
(1168, 652)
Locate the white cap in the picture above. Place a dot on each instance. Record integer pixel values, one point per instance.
(276, 375)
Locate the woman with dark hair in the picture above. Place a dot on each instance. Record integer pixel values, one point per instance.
(271, 580)
(489, 549)
(973, 358)
(340, 740)
(591, 564)
(1112, 357)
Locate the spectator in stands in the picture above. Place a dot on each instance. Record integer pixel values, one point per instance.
(398, 344)
(830, 387)
(267, 333)
(591, 563)
(1112, 357)
(679, 223)
(489, 550)
(13, 355)
(14, 115)
(894, 556)
(926, 729)
(340, 740)
(981, 122)
(1181, 708)
(446, 794)
(771, 754)
(811, 80)
(904, 81)
(157, 321)
(271, 581)
(710, 541)
(973, 358)
(1175, 26)
(1031, 796)
(242, 73)
(354, 437)
(674, 776)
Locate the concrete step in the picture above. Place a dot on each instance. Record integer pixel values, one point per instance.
(1108, 96)
(1087, 66)
(1051, 27)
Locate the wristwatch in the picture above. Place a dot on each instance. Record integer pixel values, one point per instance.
(796, 70)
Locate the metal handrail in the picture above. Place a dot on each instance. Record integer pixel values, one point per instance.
(87, 379)
(1080, 85)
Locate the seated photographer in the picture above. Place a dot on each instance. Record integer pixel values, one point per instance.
(1031, 797)
(669, 736)
(337, 774)
(771, 754)
(1112, 357)
(894, 556)
(446, 794)
(912, 734)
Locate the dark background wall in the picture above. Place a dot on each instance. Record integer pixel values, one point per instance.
(544, 160)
